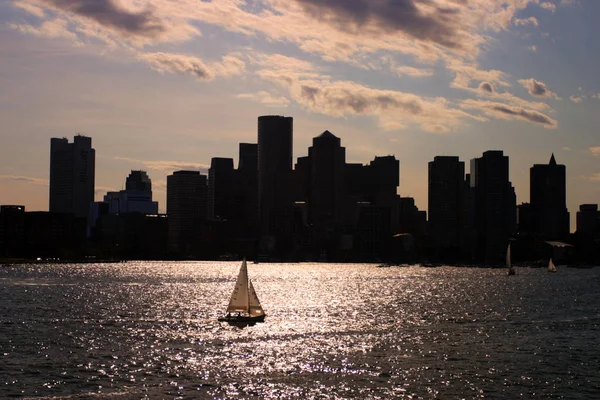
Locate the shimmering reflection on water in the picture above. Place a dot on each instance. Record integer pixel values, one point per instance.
(139, 330)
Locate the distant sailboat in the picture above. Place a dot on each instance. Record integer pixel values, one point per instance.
(551, 266)
(244, 301)
(511, 269)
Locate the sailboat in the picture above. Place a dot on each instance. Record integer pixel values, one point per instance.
(244, 306)
(551, 266)
(511, 269)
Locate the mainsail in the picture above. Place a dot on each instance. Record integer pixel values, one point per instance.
(255, 307)
(239, 297)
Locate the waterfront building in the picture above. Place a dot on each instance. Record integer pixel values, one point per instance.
(494, 204)
(275, 192)
(449, 222)
(548, 195)
(221, 188)
(72, 174)
(187, 197)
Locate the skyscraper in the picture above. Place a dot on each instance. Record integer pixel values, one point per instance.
(220, 188)
(275, 196)
(187, 194)
(548, 193)
(72, 174)
(245, 209)
(494, 205)
(448, 206)
(327, 187)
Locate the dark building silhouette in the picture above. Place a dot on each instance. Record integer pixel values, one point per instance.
(275, 192)
(12, 230)
(187, 197)
(221, 188)
(327, 186)
(245, 209)
(588, 219)
(494, 203)
(72, 174)
(548, 196)
(448, 207)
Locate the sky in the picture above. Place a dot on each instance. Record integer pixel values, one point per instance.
(165, 85)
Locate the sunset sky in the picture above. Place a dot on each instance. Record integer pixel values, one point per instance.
(164, 85)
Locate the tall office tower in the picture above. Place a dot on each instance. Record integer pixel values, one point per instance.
(72, 174)
(246, 190)
(275, 192)
(137, 196)
(448, 204)
(220, 188)
(385, 175)
(327, 187)
(187, 194)
(548, 194)
(494, 204)
(138, 181)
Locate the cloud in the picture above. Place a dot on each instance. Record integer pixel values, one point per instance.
(27, 179)
(533, 48)
(412, 72)
(265, 98)
(486, 87)
(576, 99)
(526, 21)
(548, 6)
(595, 150)
(466, 73)
(537, 88)
(420, 19)
(392, 109)
(109, 14)
(166, 166)
(56, 28)
(592, 178)
(112, 22)
(184, 64)
(505, 111)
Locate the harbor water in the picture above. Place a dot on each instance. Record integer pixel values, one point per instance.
(339, 331)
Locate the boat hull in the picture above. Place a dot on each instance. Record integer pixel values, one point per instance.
(242, 319)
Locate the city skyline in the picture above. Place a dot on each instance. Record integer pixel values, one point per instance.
(519, 83)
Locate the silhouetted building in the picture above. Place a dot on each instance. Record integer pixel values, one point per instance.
(494, 205)
(448, 207)
(588, 219)
(327, 185)
(187, 195)
(72, 169)
(221, 188)
(275, 193)
(525, 219)
(548, 194)
(246, 190)
(12, 231)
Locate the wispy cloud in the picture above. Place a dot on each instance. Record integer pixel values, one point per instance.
(27, 179)
(265, 98)
(194, 66)
(595, 150)
(548, 6)
(526, 21)
(504, 111)
(576, 99)
(537, 88)
(166, 166)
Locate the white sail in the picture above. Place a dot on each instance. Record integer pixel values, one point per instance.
(239, 297)
(551, 266)
(255, 307)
